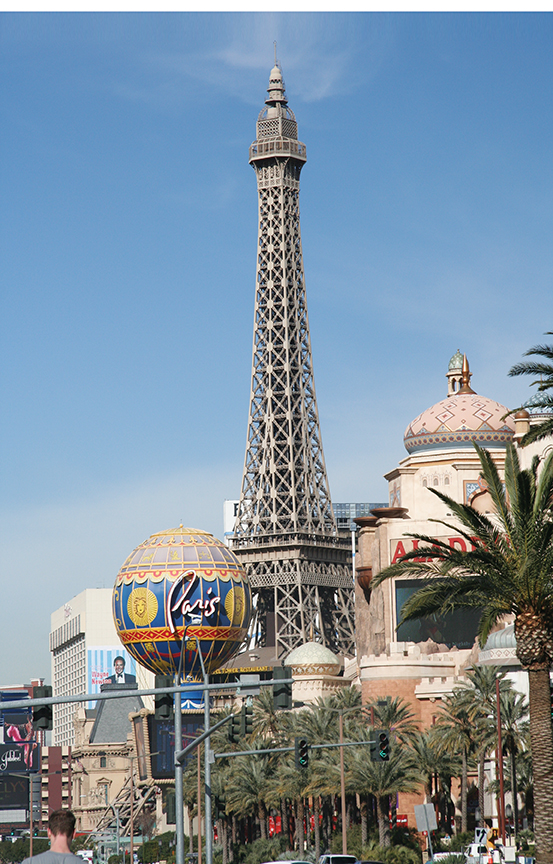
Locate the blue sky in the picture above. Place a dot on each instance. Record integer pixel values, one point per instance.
(128, 244)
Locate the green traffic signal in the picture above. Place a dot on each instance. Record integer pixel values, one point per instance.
(384, 747)
(301, 748)
(380, 749)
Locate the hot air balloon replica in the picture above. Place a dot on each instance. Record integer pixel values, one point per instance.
(180, 593)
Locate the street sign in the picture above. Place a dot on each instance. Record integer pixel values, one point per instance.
(426, 817)
(401, 821)
(480, 835)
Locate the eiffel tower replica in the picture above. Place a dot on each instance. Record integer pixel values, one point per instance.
(285, 531)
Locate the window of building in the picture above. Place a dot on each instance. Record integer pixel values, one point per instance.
(436, 481)
(103, 762)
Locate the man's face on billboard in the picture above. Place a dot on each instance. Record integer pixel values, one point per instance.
(119, 667)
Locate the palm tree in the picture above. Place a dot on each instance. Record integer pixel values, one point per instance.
(508, 571)
(395, 716)
(481, 696)
(267, 721)
(514, 710)
(544, 371)
(249, 788)
(454, 733)
(381, 779)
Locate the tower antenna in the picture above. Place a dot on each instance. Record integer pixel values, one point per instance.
(276, 61)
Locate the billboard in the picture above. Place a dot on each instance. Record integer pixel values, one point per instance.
(100, 666)
(19, 748)
(14, 793)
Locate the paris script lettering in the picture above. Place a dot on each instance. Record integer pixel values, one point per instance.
(182, 605)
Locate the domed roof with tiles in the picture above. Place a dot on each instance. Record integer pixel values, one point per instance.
(312, 658)
(459, 420)
(456, 361)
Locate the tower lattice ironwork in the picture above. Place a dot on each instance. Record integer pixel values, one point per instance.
(285, 531)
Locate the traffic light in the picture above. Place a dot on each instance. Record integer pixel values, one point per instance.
(380, 750)
(42, 714)
(219, 804)
(282, 693)
(163, 701)
(301, 752)
(234, 729)
(246, 720)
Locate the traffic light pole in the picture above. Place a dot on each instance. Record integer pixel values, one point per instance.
(123, 693)
(207, 769)
(284, 749)
(343, 781)
(179, 797)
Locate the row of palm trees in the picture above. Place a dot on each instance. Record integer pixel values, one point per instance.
(253, 786)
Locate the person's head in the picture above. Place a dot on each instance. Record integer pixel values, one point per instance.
(119, 665)
(61, 822)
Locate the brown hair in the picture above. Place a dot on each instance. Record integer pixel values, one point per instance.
(62, 822)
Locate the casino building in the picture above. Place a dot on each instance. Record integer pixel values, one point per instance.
(422, 660)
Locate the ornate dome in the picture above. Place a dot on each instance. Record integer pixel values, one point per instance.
(535, 408)
(456, 361)
(459, 420)
(501, 639)
(312, 658)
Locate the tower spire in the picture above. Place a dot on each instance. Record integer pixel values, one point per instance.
(285, 532)
(466, 375)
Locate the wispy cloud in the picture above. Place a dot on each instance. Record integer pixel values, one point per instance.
(325, 54)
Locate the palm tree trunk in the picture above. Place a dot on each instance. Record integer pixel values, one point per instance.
(364, 828)
(514, 788)
(464, 791)
(284, 821)
(481, 778)
(262, 815)
(382, 809)
(541, 738)
(299, 825)
(317, 829)
(223, 838)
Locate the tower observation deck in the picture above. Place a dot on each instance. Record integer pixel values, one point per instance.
(285, 532)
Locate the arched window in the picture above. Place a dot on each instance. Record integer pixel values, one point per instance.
(446, 481)
(436, 482)
(425, 483)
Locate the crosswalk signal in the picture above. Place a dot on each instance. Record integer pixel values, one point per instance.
(234, 729)
(42, 714)
(246, 721)
(163, 701)
(302, 753)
